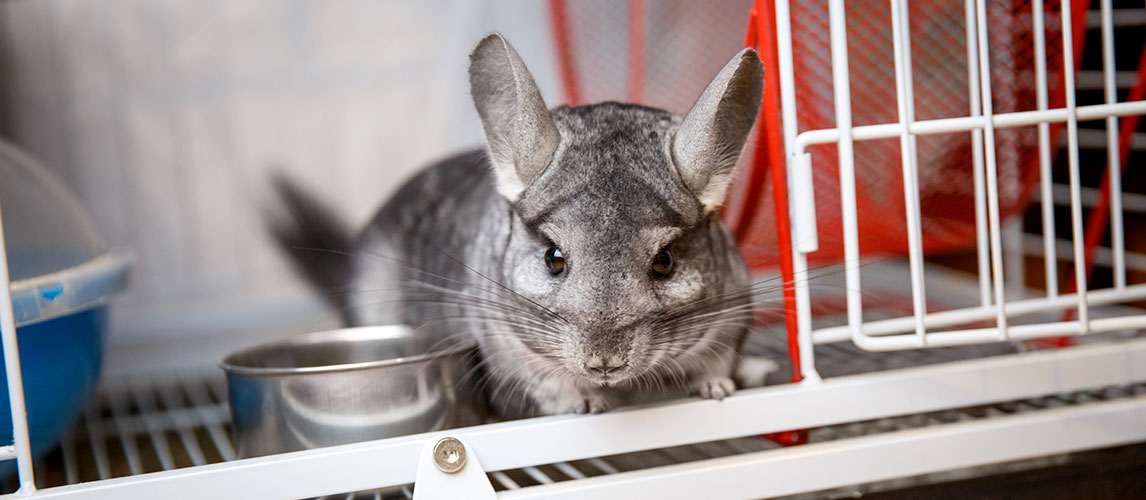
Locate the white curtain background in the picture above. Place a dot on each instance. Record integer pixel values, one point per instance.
(166, 116)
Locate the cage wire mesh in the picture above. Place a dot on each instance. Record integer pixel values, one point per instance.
(940, 80)
(662, 53)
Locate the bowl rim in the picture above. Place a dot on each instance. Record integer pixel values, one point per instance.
(230, 364)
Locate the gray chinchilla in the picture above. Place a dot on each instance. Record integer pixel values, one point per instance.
(582, 249)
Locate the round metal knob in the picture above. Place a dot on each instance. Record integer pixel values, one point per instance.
(449, 455)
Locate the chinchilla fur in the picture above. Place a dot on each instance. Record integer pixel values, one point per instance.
(612, 188)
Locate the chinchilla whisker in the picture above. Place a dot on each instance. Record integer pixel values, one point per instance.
(393, 260)
(676, 333)
(740, 316)
(773, 284)
(499, 290)
(676, 361)
(731, 318)
(488, 306)
(472, 299)
(538, 341)
(411, 287)
(447, 344)
(673, 370)
(495, 282)
(494, 366)
(706, 314)
(523, 328)
(734, 319)
(445, 290)
(688, 343)
(435, 300)
(705, 350)
(484, 366)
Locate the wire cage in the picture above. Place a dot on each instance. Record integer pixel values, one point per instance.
(979, 153)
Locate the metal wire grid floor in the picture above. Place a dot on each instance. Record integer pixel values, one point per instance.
(174, 421)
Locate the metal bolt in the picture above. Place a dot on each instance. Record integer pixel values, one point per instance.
(449, 455)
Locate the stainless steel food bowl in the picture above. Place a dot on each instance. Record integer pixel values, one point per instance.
(349, 385)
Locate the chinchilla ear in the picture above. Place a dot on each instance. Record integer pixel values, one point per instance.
(518, 128)
(708, 142)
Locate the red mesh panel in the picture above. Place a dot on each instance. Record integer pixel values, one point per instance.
(939, 65)
(686, 43)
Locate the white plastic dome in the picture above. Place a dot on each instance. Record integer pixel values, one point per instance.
(58, 262)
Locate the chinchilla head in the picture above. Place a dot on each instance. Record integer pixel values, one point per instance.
(614, 223)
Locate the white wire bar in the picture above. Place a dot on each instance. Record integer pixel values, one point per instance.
(603, 466)
(21, 442)
(505, 481)
(182, 423)
(1123, 18)
(901, 41)
(1131, 202)
(801, 201)
(981, 250)
(1050, 263)
(993, 216)
(98, 443)
(124, 431)
(1103, 256)
(196, 390)
(1013, 265)
(537, 475)
(1016, 308)
(968, 123)
(68, 448)
(1077, 234)
(569, 470)
(1114, 161)
(1096, 80)
(153, 424)
(841, 86)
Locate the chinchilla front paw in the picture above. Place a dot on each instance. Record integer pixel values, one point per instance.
(573, 401)
(714, 388)
(753, 371)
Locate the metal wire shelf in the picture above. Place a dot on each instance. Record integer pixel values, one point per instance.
(174, 421)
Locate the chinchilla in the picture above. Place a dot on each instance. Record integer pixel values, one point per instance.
(581, 249)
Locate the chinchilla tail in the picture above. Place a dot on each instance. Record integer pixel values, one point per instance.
(318, 242)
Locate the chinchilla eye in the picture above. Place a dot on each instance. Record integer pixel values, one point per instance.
(662, 264)
(555, 260)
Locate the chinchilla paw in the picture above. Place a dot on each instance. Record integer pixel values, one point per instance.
(714, 388)
(753, 371)
(574, 402)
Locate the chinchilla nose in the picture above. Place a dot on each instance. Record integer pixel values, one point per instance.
(606, 365)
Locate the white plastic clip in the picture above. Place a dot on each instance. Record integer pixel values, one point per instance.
(449, 469)
(803, 197)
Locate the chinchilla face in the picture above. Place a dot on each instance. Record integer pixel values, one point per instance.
(614, 224)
